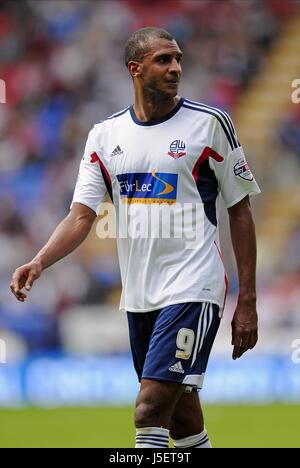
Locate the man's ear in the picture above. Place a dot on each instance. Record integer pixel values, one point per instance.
(135, 68)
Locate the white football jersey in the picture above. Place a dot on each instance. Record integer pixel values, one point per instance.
(164, 178)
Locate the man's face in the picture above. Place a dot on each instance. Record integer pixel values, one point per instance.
(160, 69)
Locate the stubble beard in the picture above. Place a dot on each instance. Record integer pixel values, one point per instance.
(154, 94)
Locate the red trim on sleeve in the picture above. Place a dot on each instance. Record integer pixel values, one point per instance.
(206, 153)
(95, 158)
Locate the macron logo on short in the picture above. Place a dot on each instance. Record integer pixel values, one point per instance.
(177, 368)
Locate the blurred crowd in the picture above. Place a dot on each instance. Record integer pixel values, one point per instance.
(290, 132)
(62, 62)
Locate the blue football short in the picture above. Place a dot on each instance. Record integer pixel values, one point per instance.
(173, 344)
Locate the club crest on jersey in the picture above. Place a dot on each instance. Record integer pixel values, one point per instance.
(177, 149)
(148, 187)
(241, 169)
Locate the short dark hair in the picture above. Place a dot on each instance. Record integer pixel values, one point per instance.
(139, 42)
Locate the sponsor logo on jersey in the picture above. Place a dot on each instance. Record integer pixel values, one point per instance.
(177, 367)
(117, 151)
(177, 149)
(145, 187)
(241, 169)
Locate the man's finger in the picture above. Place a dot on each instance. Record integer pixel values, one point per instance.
(21, 297)
(239, 351)
(14, 285)
(236, 337)
(18, 294)
(14, 289)
(248, 341)
(238, 343)
(245, 342)
(236, 352)
(242, 350)
(253, 339)
(30, 280)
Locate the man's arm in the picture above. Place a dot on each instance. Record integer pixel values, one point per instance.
(68, 235)
(244, 323)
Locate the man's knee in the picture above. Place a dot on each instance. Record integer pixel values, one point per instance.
(147, 412)
(187, 418)
(155, 404)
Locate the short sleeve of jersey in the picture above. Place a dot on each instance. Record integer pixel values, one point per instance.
(90, 189)
(234, 176)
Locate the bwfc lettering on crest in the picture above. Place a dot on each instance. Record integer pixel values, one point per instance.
(177, 149)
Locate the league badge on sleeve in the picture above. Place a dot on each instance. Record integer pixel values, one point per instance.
(241, 169)
(177, 149)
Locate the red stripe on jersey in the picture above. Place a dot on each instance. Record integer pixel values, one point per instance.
(206, 153)
(95, 158)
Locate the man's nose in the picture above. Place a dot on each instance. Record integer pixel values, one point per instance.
(175, 67)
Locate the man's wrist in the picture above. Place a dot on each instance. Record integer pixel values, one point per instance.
(38, 262)
(247, 299)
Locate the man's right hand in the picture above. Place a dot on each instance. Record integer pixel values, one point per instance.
(24, 276)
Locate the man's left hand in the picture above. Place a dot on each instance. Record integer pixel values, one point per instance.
(244, 329)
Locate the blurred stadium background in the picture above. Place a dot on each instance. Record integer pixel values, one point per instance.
(67, 346)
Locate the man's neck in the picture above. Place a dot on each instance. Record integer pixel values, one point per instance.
(148, 109)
